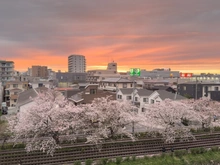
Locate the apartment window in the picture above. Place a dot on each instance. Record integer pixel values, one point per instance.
(15, 85)
(136, 99)
(131, 85)
(119, 96)
(40, 85)
(216, 88)
(15, 100)
(152, 101)
(92, 91)
(128, 97)
(142, 109)
(145, 99)
(124, 85)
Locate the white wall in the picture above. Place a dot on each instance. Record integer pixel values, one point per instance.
(26, 106)
(1, 94)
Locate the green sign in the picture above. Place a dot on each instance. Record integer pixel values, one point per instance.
(135, 72)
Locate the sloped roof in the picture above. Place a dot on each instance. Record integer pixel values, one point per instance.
(26, 97)
(168, 95)
(126, 91)
(116, 80)
(144, 92)
(77, 97)
(88, 98)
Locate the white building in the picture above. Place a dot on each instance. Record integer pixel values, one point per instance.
(6, 71)
(76, 64)
(112, 84)
(140, 97)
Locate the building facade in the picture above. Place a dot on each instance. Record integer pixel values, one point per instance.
(76, 64)
(200, 89)
(6, 71)
(65, 79)
(12, 90)
(39, 71)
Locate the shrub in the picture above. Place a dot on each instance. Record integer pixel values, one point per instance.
(104, 161)
(180, 153)
(118, 160)
(88, 162)
(133, 158)
(127, 159)
(216, 148)
(77, 163)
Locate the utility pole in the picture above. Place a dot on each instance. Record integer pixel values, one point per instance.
(196, 89)
(134, 72)
(133, 105)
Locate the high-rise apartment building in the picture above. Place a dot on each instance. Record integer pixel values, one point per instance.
(39, 71)
(6, 71)
(76, 64)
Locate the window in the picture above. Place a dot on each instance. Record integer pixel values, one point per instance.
(136, 99)
(124, 85)
(92, 91)
(128, 97)
(142, 109)
(40, 85)
(15, 85)
(131, 85)
(145, 99)
(184, 88)
(216, 88)
(152, 101)
(119, 96)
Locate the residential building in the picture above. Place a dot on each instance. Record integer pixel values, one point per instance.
(6, 71)
(200, 89)
(95, 76)
(25, 98)
(68, 92)
(39, 71)
(91, 92)
(141, 97)
(66, 79)
(76, 64)
(12, 90)
(112, 84)
(41, 83)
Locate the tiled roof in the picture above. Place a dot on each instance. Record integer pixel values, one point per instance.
(126, 91)
(168, 95)
(144, 92)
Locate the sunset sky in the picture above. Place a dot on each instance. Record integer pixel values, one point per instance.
(182, 35)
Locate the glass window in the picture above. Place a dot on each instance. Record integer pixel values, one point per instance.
(119, 96)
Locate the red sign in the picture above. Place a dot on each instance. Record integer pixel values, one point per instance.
(186, 74)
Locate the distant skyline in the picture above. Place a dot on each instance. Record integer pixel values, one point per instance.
(182, 35)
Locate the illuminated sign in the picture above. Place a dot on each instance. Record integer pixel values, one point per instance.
(186, 74)
(135, 72)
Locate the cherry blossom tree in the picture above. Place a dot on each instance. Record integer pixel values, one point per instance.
(105, 118)
(42, 125)
(170, 118)
(207, 110)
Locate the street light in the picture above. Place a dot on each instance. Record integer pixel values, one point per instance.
(134, 72)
